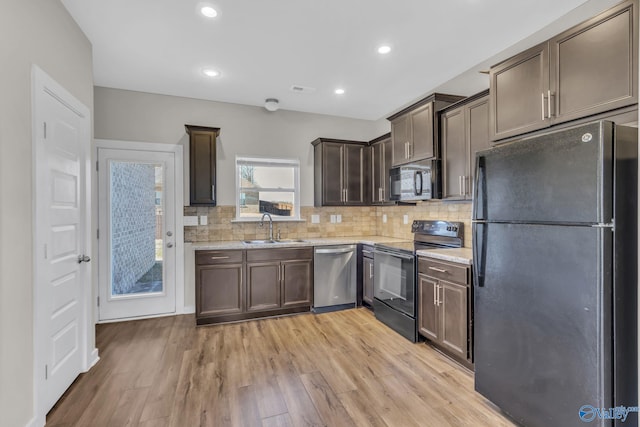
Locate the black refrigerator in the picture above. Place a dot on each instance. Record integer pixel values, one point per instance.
(555, 276)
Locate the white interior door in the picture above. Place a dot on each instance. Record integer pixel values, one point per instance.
(61, 269)
(137, 227)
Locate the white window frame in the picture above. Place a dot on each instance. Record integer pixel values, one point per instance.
(272, 162)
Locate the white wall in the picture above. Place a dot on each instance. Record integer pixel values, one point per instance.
(245, 130)
(37, 32)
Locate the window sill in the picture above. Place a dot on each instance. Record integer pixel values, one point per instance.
(239, 220)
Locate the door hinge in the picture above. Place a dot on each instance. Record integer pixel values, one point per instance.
(45, 130)
(46, 372)
(98, 298)
(98, 233)
(97, 166)
(45, 252)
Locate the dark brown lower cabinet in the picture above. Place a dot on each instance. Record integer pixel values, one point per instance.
(444, 307)
(238, 285)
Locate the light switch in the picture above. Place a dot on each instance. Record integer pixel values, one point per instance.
(203, 220)
(339, 218)
(190, 221)
(384, 218)
(405, 219)
(333, 219)
(315, 219)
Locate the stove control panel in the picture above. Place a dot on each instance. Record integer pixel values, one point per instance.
(438, 228)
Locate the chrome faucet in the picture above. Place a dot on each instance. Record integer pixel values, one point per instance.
(270, 224)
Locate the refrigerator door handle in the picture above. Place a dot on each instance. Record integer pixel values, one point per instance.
(480, 190)
(479, 253)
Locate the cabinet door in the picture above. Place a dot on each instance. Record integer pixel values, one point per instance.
(454, 147)
(219, 290)
(421, 146)
(263, 286)
(202, 170)
(400, 137)
(427, 308)
(367, 280)
(386, 165)
(453, 317)
(519, 88)
(354, 177)
(478, 132)
(595, 65)
(377, 171)
(296, 283)
(332, 174)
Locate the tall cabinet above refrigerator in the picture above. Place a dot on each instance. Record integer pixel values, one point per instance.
(555, 253)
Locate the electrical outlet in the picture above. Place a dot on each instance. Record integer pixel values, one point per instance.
(384, 218)
(405, 219)
(333, 219)
(315, 219)
(339, 218)
(203, 220)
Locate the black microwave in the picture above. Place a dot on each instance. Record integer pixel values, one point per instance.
(416, 181)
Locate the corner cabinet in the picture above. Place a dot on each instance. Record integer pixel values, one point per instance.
(239, 285)
(414, 130)
(380, 165)
(588, 69)
(465, 130)
(202, 165)
(445, 307)
(340, 172)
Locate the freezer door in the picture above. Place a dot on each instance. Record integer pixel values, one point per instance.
(543, 341)
(564, 176)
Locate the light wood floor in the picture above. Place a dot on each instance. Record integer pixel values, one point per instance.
(336, 369)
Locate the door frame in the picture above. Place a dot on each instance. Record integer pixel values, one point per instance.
(42, 86)
(177, 151)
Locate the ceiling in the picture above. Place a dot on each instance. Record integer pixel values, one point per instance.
(262, 48)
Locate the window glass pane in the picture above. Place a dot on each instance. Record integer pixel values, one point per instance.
(278, 204)
(266, 177)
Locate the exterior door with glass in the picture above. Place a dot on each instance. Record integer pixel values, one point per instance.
(136, 210)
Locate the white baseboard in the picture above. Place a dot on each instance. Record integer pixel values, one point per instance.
(93, 358)
(189, 309)
(35, 422)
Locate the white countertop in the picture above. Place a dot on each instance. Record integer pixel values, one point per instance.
(236, 244)
(459, 255)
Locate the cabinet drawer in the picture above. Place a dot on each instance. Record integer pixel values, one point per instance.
(279, 254)
(442, 270)
(218, 257)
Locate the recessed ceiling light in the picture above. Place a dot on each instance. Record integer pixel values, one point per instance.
(208, 11)
(383, 50)
(339, 91)
(210, 72)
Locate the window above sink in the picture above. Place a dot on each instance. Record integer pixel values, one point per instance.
(267, 185)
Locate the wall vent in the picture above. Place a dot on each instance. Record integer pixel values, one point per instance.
(302, 89)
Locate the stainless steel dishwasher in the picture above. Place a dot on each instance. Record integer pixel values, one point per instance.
(334, 278)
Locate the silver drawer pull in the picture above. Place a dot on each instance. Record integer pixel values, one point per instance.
(367, 252)
(439, 270)
(219, 257)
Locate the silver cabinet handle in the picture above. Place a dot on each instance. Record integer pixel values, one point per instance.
(370, 271)
(544, 116)
(346, 195)
(439, 270)
(460, 185)
(549, 95)
(435, 300)
(169, 245)
(464, 185)
(367, 252)
(438, 294)
(333, 251)
(213, 193)
(219, 257)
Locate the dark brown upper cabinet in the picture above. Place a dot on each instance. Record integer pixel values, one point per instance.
(588, 69)
(202, 165)
(413, 129)
(380, 165)
(340, 172)
(465, 130)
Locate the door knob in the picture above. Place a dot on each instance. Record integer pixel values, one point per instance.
(169, 233)
(83, 258)
(169, 245)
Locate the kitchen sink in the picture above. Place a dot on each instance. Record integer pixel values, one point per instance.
(271, 242)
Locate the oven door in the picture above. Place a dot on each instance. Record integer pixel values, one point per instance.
(394, 280)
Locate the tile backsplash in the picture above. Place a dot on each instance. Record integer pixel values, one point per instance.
(356, 221)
